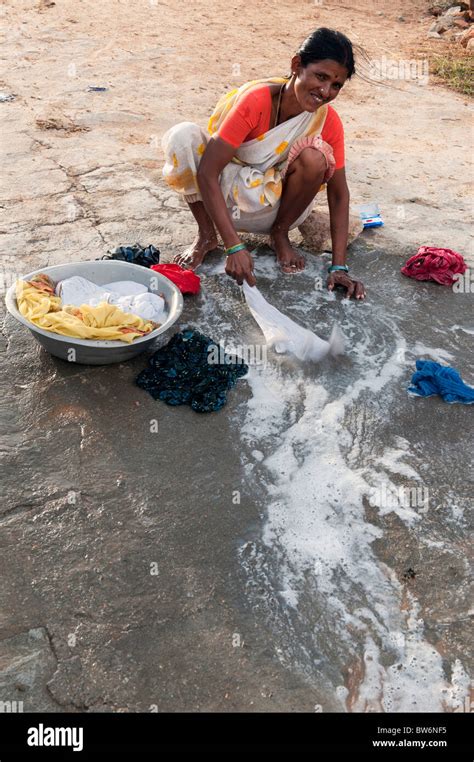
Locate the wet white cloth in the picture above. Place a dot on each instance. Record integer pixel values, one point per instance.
(284, 335)
(125, 287)
(129, 296)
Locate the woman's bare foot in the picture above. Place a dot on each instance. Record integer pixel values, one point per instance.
(290, 262)
(194, 255)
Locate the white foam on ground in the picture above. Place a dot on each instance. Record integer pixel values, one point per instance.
(317, 528)
(436, 354)
(461, 328)
(416, 683)
(317, 518)
(391, 460)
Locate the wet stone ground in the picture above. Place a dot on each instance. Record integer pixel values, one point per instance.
(132, 575)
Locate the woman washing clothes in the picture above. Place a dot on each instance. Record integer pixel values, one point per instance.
(271, 145)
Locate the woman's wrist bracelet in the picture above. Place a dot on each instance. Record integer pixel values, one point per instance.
(235, 249)
(334, 268)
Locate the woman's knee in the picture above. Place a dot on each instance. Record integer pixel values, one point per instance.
(183, 133)
(311, 161)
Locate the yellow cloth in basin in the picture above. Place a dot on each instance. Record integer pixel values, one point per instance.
(38, 303)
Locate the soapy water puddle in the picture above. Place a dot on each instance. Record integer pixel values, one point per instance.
(345, 465)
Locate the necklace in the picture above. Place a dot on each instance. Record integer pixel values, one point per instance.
(279, 104)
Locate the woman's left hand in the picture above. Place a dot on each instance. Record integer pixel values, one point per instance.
(354, 288)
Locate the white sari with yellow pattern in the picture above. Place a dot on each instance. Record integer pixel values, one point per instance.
(252, 182)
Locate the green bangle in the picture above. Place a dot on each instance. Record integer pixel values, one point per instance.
(334, 268)
(235, 249)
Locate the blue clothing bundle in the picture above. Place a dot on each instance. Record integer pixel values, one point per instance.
(184, 372)
(136, 255)
(432, 378)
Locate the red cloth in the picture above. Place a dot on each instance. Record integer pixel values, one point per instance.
(186, 280)
(431, 263)
(250, 117)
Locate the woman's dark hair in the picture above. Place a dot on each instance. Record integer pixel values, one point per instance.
(327, 43)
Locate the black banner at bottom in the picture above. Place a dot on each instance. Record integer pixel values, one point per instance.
(85, 736)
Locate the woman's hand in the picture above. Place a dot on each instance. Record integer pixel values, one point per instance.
(354, 288)
(240, 267)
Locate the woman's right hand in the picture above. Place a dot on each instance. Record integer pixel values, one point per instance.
(240, 267)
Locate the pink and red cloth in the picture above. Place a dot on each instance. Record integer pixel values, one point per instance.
(432, 263)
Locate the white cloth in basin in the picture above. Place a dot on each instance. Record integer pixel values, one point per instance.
(127, 295)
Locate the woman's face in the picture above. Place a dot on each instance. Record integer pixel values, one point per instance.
(317, 83)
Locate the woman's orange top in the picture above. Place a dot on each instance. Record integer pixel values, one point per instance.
(250, 117)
